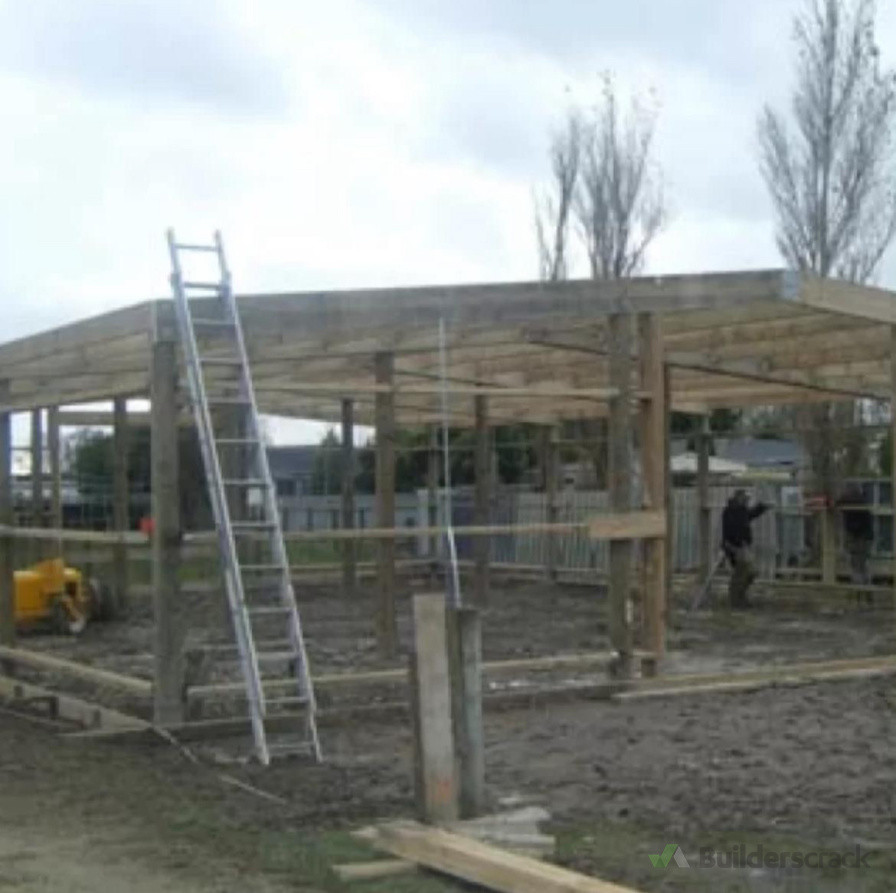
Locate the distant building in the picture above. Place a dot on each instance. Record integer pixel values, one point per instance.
(292, 468)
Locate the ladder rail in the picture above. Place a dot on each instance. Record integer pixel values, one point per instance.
(272, 510)
(233, 580)
(255, 474)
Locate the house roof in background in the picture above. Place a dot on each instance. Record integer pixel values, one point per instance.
(291, 461)
(759, 452)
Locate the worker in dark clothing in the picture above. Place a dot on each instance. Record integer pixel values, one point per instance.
(858, 533)
(737, 542)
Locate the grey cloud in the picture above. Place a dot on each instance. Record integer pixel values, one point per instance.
(173, 51)
(664, 30)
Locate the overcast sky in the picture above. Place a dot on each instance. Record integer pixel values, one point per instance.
(353, 143)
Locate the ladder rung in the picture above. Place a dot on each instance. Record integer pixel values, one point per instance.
(276, 655)
(262, 568)
(300, 749)
(244, 482)
(236, 441)
(221, 361)
(280, 609)
(182, 246)
(205, 321)
(232, 647)
(286, 701)
(206, 286)
(249, 526)
(274, 587)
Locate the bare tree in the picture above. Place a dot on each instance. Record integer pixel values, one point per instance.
(553, 209)
(832, 172)
(604, 181)
(619, 205)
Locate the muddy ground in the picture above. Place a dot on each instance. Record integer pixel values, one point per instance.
(795, 769)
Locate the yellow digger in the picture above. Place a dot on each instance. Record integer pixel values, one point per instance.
(50, 592)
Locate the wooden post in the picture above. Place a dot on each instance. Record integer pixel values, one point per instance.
(170, 625)
(54, 448)
(670, 491)
(432, 499)
(121, 501)
(7, 569)
(893, 447)
(349, 548)
(828, 545)
(704, 511)
(465, 666)
(551, 473)
(384, 418)
(482, 475)
(434, 744)
(653, 457)
(620, 489)
(37, 472)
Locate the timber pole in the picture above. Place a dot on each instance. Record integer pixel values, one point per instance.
(384, 418)
(432, 499)
(120, 504)
(37, 472)
(893, 445)
(620, 489)
(481, 499)
(7, 570)
(54, 448)
(704, 516)
(655, 472)
(670, 490)
(551, 474)
(349, 557)
(170, 622)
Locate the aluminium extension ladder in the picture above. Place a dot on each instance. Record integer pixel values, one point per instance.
(259, 589)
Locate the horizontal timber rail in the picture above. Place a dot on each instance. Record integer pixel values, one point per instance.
(46, 663)
(57, 534)
(627, 525)
(376, 677)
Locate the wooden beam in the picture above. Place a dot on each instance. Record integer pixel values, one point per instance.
(341, 315)
(845, 298)
(76, 336)
(54, 447)
(432, 499)
(670, 490)
(455, 391)
(620, 489)
(7, 569)
(349, 557)
(57, 666)
(370, 871)
(893, 444)
(704, 511)
(169, 607)
(120, 501)
(482, 864)
(435, 757)
(87, 714)
(551, 479)
(481, 500)
(37, 471)
(465, 635)
(387, 633)
(653, 457)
